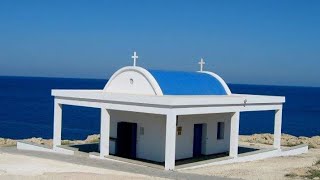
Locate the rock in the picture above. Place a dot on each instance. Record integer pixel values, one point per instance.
(93, 138)
(11, 142)
(48, 142)
(286, 139)
(7, 142)
(316, 178)
(35, 140)
(2, 141)
(65, 142)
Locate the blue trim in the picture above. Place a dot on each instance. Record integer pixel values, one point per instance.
(187, 83)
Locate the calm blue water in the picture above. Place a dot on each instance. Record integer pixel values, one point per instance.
(26, 109)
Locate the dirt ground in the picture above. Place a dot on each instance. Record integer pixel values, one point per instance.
(17, 167)
(272, 168)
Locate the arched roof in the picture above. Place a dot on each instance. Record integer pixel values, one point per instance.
(137, 80)
(188, 83)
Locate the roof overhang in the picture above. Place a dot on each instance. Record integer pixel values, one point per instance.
(170, 101)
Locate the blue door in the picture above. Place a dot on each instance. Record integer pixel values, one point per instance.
(197, 140)
(126, 139)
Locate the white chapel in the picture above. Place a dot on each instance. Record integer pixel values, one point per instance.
(166, 116)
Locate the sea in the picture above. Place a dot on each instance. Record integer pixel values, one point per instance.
(26, 109)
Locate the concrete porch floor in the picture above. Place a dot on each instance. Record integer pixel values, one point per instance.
(247, 152)
(93, 149)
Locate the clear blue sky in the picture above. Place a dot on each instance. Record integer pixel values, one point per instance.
(254, 42)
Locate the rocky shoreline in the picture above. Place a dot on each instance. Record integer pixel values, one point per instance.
(286, 140)
(48, 142)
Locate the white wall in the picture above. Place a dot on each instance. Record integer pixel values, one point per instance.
(184, 142)
(130, 82)
(151, 145)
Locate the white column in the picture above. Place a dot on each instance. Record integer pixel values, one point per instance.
(170, 146)
(277, 128)
(57, 123)
(104, 133)
(234, 135)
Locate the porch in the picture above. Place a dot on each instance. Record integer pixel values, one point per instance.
(169, 106)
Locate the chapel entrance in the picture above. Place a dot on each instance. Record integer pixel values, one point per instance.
(126, 139)
(197, 140)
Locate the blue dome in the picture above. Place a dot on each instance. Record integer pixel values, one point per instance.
(187, 83)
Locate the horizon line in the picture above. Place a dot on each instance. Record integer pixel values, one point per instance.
(231, 83)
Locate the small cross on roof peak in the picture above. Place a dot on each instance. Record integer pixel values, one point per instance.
(135, 58)
(201, 63)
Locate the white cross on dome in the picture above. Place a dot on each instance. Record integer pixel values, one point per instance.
(202, 63)
(134, 57)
